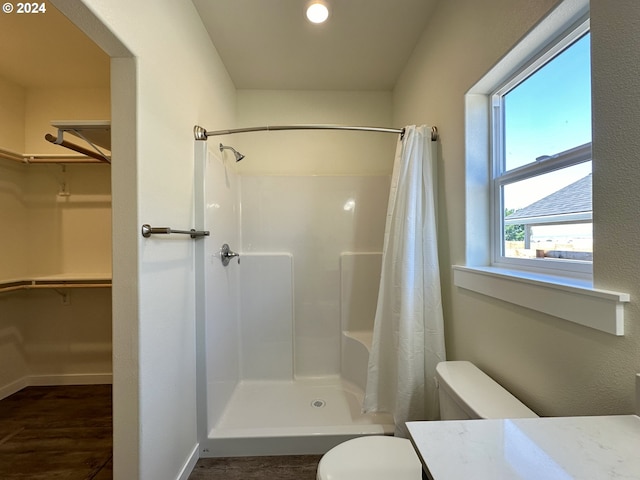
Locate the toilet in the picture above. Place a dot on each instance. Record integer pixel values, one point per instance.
(465, 392)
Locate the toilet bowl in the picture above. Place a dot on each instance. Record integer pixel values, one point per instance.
(464, 391)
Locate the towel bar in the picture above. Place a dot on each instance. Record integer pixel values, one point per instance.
(148, 230)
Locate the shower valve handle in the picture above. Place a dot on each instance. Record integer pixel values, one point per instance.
(226, 255)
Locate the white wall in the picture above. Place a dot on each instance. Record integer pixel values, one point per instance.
(12, 353)
(176, 80)
(314, 152)
(12, 116)
(44, 105)
(68, 234)
(555, 367)
(67, 343)
(14, 213)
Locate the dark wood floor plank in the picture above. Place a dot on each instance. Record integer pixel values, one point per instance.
(106, 472)
(59, 432)
(289, 467)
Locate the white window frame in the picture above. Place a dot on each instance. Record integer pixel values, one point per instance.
(574, 156)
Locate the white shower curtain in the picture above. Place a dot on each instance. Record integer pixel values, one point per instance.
(408, 332)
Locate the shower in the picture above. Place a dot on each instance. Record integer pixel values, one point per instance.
(283, 336)
(236, 153)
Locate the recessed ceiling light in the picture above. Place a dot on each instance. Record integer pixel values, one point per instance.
(317, 12)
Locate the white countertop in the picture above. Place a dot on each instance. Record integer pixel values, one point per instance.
(552, 448)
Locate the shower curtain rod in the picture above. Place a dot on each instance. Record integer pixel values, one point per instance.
(202, 134)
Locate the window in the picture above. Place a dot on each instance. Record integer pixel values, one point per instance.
(528, 149)
(541, 157)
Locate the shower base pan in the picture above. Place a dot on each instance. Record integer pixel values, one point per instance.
(292, 418)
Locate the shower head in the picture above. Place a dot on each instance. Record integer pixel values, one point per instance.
(236, 153)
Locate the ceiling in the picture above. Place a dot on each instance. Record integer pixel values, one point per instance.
(47, 50)
(265, 44)
(269, 44)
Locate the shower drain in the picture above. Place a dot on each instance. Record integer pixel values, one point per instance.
(318, 403)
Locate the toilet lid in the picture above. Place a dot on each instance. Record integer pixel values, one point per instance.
(371, 458)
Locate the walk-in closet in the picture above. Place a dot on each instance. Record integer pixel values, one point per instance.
(55, 213)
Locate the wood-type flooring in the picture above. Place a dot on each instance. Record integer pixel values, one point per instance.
(65, 432)
(293, 467)
(61, 432)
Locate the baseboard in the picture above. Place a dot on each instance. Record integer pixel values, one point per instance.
(13, 387)
(70, 379)
(190, 463)
(49, 380)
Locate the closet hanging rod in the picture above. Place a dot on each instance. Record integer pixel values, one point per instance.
(76, 148)
(45, 158)
(201, 133)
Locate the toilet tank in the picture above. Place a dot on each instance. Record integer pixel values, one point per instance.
(467, 392)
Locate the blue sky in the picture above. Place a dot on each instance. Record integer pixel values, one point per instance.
(546, 114)
(551, 111)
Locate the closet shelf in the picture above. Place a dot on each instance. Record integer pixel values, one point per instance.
(97, 135)
(96, 132)
(56, 281)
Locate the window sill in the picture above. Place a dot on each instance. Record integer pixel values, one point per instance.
(572, 300)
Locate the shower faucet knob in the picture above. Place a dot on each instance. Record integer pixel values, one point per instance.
(226, 255)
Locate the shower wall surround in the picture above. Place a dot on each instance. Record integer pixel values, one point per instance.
(314, 219)
(308, 245)
(306, 211)
(216, 200)
(266, 316)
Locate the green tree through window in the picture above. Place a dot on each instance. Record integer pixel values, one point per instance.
(513, 233)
